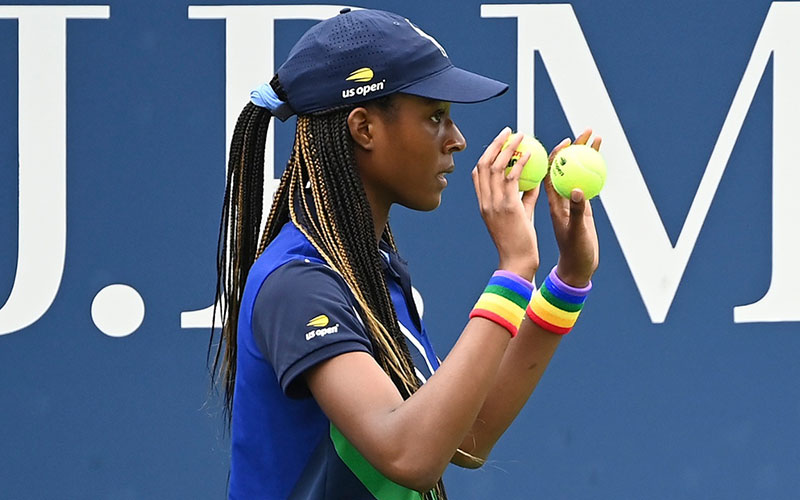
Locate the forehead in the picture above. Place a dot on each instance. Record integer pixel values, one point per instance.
(412, 102)
(404, 107)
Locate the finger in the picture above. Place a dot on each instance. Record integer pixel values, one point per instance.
(576, 201)
(596, 143)
(497, 182)
(577, 207)
(503, 157)
(516, 170)
(491, 151)
(561, 145)
(483, 169)
(476, 183)
(584, 137)
(587, 209)
(482, 189)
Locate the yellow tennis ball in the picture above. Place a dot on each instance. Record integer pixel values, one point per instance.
(535, 169)
(578, 166)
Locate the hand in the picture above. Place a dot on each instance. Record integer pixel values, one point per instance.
(573, 225)
(507, 217)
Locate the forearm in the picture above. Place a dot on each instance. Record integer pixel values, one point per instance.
(411, 441)
(520, 370)
(435, 419)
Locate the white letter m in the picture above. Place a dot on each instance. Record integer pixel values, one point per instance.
(657, 266)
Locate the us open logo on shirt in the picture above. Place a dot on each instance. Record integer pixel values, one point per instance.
(362, 75)
(321, 322)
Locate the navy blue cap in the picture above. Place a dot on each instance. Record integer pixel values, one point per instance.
(364, 54)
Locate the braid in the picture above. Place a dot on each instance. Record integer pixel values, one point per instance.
(348, 225)
(335, 216)
(238, 234)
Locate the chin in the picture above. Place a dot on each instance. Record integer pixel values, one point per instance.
(424, 205)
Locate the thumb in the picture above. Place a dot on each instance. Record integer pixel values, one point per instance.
(529, 201)
(577, 207)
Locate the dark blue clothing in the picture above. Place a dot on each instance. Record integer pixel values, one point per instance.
(295, 313)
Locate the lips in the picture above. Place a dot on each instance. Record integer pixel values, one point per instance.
(441, 175)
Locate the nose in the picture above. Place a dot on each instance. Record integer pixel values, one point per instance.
(455, 141)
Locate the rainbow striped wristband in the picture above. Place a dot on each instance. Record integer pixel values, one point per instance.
(556, 305)
(503, 300)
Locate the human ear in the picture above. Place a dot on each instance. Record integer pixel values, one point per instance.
(361, 128)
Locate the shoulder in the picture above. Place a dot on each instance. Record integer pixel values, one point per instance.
(303, 279)
(305, 314)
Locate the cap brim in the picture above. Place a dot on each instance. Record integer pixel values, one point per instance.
(456, 85)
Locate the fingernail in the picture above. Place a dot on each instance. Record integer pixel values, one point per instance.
(576, 195)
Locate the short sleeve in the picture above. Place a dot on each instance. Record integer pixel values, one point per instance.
(305, 314)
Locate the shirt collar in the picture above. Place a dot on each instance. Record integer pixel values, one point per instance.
(391, 262)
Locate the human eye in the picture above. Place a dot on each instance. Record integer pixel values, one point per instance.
(438, 116)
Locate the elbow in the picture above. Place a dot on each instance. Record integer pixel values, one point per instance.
(415, 472)
(417, 480)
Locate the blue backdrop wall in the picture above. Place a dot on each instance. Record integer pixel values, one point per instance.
(681, 380)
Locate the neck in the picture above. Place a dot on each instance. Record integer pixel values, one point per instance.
(380, 214)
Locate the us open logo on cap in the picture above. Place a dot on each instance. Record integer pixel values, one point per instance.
(362, 75)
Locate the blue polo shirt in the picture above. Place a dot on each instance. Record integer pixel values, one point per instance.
(297, 312)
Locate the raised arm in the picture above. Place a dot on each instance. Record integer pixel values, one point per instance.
(412, 441)
(529, 353)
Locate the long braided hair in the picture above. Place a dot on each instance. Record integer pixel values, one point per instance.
(333, 214)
